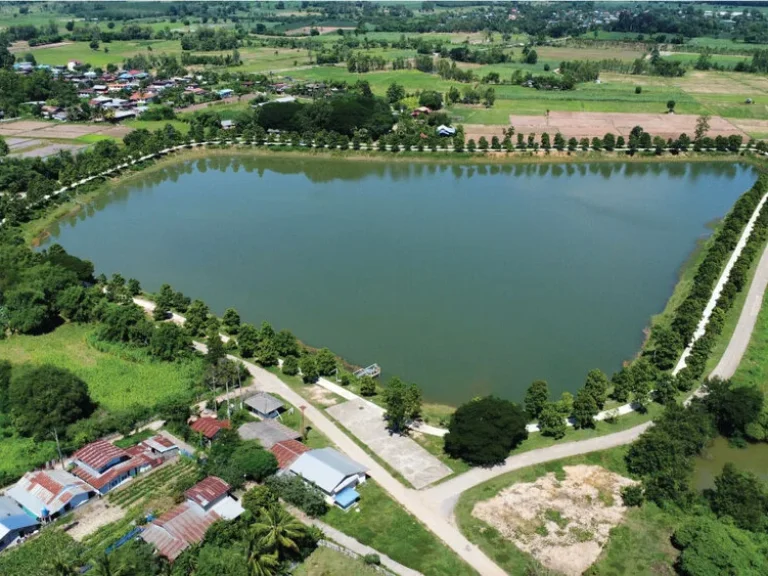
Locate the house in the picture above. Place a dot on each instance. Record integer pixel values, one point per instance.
(333, 473)
(46, 494)
(104, 466)
(262, 404)
(161, 446)
(14, 522)
(209, 427)
(287, 451)
(49, 111)
(421, 111)
(225, 92)
(444, 130)
(72, 64)
(206, 502)
(267, 432)
(227, 124)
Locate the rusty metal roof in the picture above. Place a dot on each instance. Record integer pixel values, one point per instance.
(286, 451)
(176, 530)
(209, 427)
(207, 490)
(98, 454)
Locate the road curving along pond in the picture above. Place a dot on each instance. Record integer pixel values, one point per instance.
(468, 279)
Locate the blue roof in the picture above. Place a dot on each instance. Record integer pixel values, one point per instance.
(347, 497)
(13, 517)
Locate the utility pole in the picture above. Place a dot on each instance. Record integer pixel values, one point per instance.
(303, 427)
(58, 447)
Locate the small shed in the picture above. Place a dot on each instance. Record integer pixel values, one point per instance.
(264, 405)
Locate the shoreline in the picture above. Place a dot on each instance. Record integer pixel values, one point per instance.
(36, 230)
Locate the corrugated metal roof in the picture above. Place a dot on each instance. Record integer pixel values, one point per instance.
(207, 490)
(13, 517)
(286, 451)
(174, 531)
(326, 468)
(209, 427)
(98, 454)
(49, 489)
(263, 403)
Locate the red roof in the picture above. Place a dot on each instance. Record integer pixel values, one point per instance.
(209, 427)
(98, 482)
(286, 451)
(98, 454)
(44, 480)
(174, 531)
(208, 490)
(163, 441)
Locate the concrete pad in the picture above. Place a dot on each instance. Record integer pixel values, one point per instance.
(417, 465)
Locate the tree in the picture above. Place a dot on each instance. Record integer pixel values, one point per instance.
(266, 354)
(326, 362)
(291, 365)
(215, 351)
(483, 143)
(46, 398)
(742, 496)
(670, 106)
(252, 462)
(286, 343)
(28, 310)
(531, 57)
(471, 146)
(295, 491)
(258, 498)
(483, 431)
(552, 421)
(278, 531)
(536, 398)
(163, 302)
(666, 389)
(94, 44)
(308, 367)
(622, 384)
(5, 381)
(733, 408)
(545, 142)
(4, 149)
(231, 321)
(168, 342)
(367, 385)
(597, 386)
(702, 127)
(403, 403)
(197, 316)
(609, 142)
(431, 99)
(133, 287)
(559, 141)
(247, 340)
(584, 409)
(395, 93)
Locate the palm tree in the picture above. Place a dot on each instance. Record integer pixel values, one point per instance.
(277, 530)
(261, 563)
(61, 567)
(103, 567)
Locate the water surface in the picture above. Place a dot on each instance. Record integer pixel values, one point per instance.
(753, 458)
(466, 279)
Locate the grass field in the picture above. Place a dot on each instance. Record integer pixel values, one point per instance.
(638, 546)
(327, 562)
(113, 382)
(383, 524)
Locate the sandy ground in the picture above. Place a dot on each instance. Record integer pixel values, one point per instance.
(322, 396)
(23, 46)
(93, 516)
(564, 524)
(34, 151)
(305, 30)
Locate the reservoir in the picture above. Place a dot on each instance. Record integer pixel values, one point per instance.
(467, 279)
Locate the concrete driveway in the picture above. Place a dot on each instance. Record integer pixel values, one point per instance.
(417, 465)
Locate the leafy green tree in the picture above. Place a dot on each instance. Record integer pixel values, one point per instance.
(291, 366)
(367, 386)
(552, 422)
(326, 362)
(267, 353)
(483, 143)
(278, 531)
(133, 287)
(666, 389)
(78, 303)
(295, 491)
(545, 142)
(431, 99)
(47, 398)
(169, 342)
(252, 462)
(622, 384)
(286, 343)
(597, 386)
(197, 317)
(559, 141)
(733, 408)
(609, 142)
(667, 349)
(247, 340)
(671, 106)
(28, 310)
(5, 382)
(231, 321)
(536, 398)
(258, 498)
(584, 409)
(471, 146)
(395, 93)
(403, 403)
(163, 302)
(741, 496)
(308, 367)
(216, 350)
(483, 431)
(708, 546)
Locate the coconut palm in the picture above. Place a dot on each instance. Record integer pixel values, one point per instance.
(278, 531)
(261, 563)
(61, 567)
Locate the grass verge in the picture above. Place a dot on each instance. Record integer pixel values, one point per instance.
(384, 525)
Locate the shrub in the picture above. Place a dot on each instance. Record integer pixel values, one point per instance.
(295, 491)
(632, 495)
(372, 559)
(291, 366)
(638, 89)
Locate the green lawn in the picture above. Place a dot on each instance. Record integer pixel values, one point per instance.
(384, 525)
(327, 562)
(638, 546)
(114, 382)
(35, 557)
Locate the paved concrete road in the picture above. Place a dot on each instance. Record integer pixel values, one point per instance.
(741, 336)
(367, 423)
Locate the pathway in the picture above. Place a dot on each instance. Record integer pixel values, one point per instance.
(352, 544)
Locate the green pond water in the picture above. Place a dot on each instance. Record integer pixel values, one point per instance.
(753, 458)
(466, 279)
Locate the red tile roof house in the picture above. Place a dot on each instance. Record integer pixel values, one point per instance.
(209, 427)
(286, 452)
(176, 530)
(105, 466)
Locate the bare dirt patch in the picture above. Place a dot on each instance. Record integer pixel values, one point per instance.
(322, 396)
(305, 30)
(590, 124)
(565, 523)
(23, 46)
